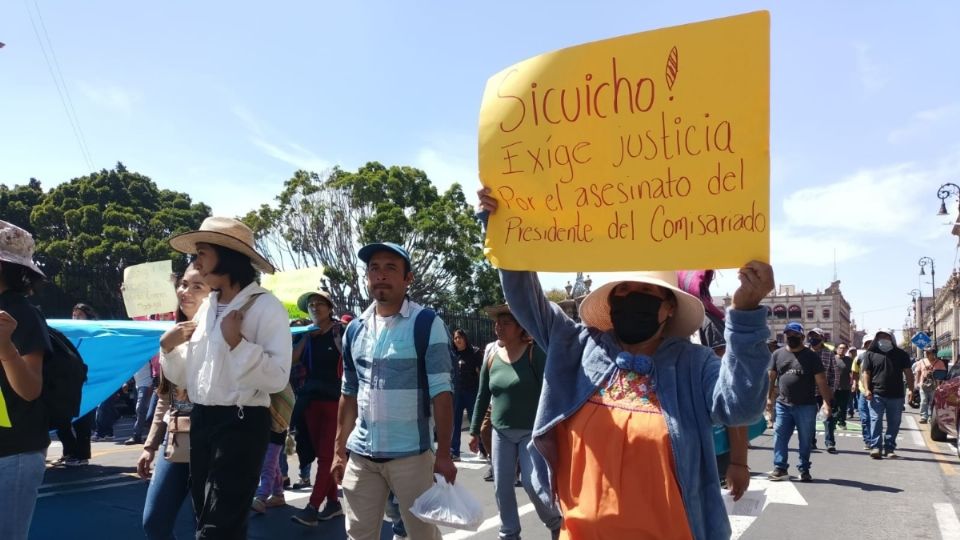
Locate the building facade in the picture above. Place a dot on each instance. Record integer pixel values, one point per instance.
(827, 310)
(945, 328)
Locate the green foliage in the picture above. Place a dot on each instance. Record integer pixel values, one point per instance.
(556, 295)
(323, 221)
(90, 228)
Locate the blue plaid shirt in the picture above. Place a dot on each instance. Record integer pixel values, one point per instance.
(381, 372)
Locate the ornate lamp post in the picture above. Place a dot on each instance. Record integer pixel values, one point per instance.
(945, 192)
(917, 307)
(923, 262)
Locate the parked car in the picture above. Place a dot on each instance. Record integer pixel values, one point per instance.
(946, 404)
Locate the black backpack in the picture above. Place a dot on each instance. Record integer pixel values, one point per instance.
(63, 376)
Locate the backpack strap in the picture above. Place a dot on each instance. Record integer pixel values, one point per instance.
(422, 326)
(249, 303)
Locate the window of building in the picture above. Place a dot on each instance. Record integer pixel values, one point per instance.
(826, 314)
(794, 312)
(809, 314)
(780, 311)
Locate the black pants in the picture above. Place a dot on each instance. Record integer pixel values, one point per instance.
(75, 437)
(226, 455)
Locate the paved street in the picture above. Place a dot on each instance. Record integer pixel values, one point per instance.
(913, 497)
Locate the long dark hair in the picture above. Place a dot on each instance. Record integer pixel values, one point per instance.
(87, 310)
(462, 333)
(235, 265)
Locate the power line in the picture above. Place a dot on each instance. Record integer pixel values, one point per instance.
(59, 82)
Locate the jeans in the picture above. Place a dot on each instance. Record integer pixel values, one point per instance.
(107, 416)
(75, 436)
(392, 511)
(829, 426)
(509, 447)
(804, 419)
(865, 418)
(893, 408)
(271, 481)
(226, 455)
(841, 400)
(169, 488)
(20, 476)
(926, 403)
(152, 408)
(462, 400)
(854, 402)
(144, 393)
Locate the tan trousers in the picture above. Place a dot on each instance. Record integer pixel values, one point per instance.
(366, 485)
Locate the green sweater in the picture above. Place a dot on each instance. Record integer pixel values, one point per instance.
(513, 388)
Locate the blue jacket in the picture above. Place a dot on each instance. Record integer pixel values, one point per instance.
(694, 388)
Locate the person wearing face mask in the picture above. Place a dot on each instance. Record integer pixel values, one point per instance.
(624, 430)
(815, 338)
(884, 367)
(795, 371)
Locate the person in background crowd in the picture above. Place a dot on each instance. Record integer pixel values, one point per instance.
(627, 396)
(24, 343)
(932, 371)
(796, 370)
(143, 382)
(863, 406)
(842, 394)
(854, 399)
(511, 378)
(731, 443)
(170, 481)
(469, 360)
(239, 353)
(817, 344)
(884, 368)
(320, 352)
(385, 425)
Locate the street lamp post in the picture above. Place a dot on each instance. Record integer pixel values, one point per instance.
(924, 261)
(945, 192)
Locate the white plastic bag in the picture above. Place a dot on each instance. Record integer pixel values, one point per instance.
(448, 505)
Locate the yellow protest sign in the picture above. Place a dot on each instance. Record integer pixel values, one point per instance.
(148, 289)
(642, 152)
(289, 285)
(4, 416)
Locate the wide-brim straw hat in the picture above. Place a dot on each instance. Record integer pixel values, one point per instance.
(16, 246)
(226, 232)
(687, 317)
(305, 298)
(495, 311)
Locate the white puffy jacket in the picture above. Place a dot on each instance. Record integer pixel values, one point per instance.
(245, 376)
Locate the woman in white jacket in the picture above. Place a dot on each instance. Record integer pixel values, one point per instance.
(233, 354)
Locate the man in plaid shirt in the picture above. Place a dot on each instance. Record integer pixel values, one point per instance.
(815, 339)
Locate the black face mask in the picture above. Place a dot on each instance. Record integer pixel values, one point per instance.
(635, 316)
(794, 341)
(814, 341)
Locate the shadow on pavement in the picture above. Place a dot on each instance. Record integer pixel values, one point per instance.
(861, 485)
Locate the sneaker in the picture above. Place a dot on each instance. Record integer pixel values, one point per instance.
(72, 462)
(302, 483)
(866, 446)
(489, 476)
(275, 501)
(258, 505)
(399, 530)
(805, 476)
(923, 420)
(330, 511)
(101, 438)
(831, 449)
(455, 457)
(892, 455)
(307, 516)
(286, 482)
(132, 441)
(777, 475)
(842, 426)
(875, 453)
(813, 445)
(60, 461)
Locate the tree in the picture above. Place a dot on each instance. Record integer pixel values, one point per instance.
(322, 220)
(90, 228)
(17, 202)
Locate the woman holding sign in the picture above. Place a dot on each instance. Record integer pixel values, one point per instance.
(236, 357)
(623, 433)
(170, 482)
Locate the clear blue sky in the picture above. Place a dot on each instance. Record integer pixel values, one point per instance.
(224, 100)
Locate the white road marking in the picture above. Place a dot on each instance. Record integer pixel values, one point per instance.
(914, 430)
(947, 520)
(780, 492)
(487, 524)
